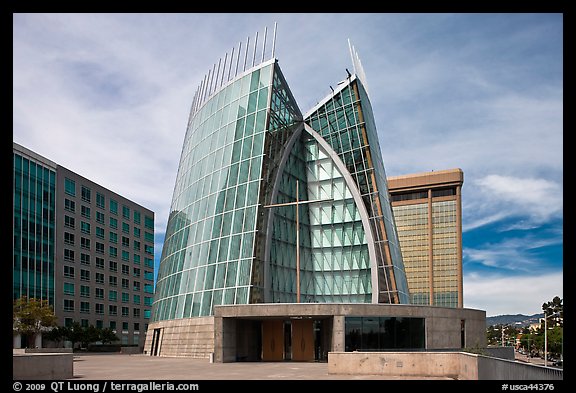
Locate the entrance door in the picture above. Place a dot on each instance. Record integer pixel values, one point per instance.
(273, 341)
(303, 340)
(155, 342)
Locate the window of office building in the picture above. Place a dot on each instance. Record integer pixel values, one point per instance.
(85, 243)
(68, 305)
(100, 217)
(69, 271)
(68, 255)
(86, 194)
(69, 205)
(70, 187)
(100, 248)
(69, 222)
(69, 238)
(113, 206)
(85, 227)
(125, 212)
(84, 275)
(68, 288)
(100, 200)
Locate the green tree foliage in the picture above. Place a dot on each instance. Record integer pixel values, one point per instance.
(83, 335)
(31, 316)
(553, 307)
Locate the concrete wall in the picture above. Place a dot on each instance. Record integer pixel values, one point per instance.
(457, 365)
(192, 337)
(500, 352)
(48, 366)
(405, 364)
(493, 368)
(48, 350)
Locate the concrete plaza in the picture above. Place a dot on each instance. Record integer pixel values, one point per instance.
(142, 367)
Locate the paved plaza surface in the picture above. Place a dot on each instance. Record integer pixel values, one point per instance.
(143, 367)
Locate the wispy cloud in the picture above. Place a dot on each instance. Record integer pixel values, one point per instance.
(531, 201)
(499, 294)
(514, 254)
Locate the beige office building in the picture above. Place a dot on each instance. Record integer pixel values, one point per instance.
(428, 213)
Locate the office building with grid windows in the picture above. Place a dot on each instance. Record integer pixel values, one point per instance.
(82, 247)
(428, 211)
(277, 219)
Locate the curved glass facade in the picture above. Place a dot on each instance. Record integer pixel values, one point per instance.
(245, 148)
(209, 245)
(346, 122)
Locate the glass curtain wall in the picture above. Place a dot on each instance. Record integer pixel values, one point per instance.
(33, 229)
(346, 122)
(209, 245)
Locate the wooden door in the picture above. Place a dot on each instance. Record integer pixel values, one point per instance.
(273, 341)
(302, 340)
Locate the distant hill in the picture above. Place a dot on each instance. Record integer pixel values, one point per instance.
(518, 320)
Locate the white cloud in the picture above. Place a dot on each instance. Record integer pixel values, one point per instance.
(495, 197)
(523, 294)
(511, 254)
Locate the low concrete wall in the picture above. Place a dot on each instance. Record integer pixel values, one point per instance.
(405, 364)
(500, 352)
(493, 368)
(47, 366)
(457, 365)
(48, 350)
(130, 350)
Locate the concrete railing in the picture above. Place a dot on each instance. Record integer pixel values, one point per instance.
(47, 366)
(404, 364)
(456, 365)
(493, 368)
(48, 350)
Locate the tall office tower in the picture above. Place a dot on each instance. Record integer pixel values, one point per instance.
(247, 149)
(82, 247)
(428, 212)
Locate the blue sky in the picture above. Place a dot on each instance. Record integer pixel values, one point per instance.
(108, 96)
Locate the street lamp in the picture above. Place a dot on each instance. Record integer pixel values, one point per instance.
(546, 337)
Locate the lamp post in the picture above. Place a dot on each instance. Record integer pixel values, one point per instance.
(546, 337)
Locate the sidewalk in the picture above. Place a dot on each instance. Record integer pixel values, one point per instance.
(142, 367)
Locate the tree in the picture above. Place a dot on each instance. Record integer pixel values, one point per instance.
(31, 317)
(107, 336)
(57, 334)
(552, 307)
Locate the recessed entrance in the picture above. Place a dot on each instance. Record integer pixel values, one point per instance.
(299, 340)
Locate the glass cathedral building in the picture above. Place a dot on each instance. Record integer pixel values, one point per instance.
(246, 147)
(281, 229)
